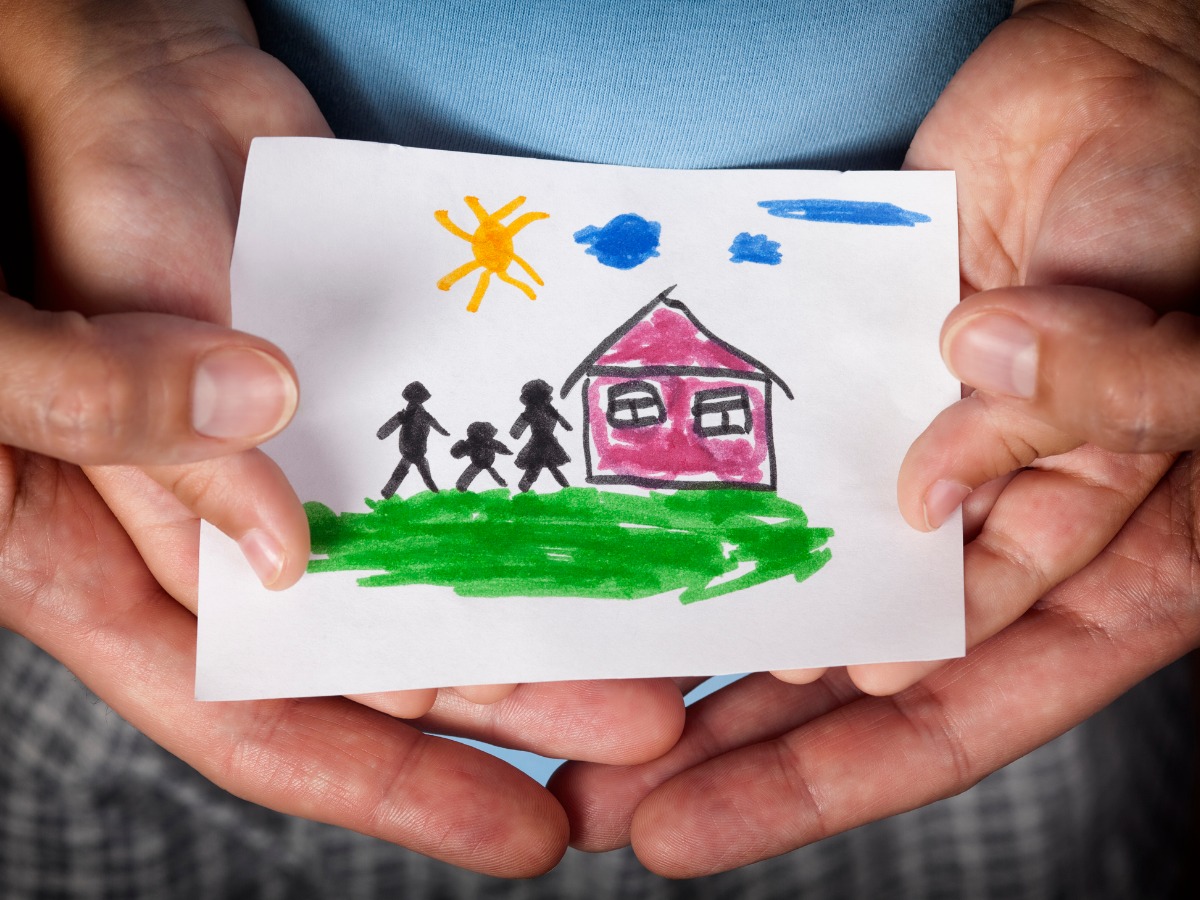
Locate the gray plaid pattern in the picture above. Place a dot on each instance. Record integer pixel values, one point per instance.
(89, 808)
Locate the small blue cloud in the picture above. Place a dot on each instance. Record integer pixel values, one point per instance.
(755, 248)
(625, 242)
(847, 212)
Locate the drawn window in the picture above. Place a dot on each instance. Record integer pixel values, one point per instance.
(635, 404)
(721, 411)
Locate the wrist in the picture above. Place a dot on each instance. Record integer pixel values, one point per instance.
(53, 52)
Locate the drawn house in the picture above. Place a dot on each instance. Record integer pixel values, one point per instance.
(666, 403)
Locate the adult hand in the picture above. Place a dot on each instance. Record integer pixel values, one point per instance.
(1075, 132)
(136, 118)
(75, 584)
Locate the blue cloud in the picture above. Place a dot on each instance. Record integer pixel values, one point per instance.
(625, 242)
(755, 248)
(849, 212)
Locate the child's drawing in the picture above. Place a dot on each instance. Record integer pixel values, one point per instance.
(666, 403)
(492, 245)
(481, 448)
(644, 518)
(414, 422)
(543, 451)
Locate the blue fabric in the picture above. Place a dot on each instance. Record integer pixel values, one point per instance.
(684, 84)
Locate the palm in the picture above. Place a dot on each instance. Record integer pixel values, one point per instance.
(1058, 184)
(137, 181)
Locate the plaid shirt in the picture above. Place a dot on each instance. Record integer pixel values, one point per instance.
(90, 808)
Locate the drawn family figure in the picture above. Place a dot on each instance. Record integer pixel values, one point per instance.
(414, 422)
(543, 451)
(481, 447)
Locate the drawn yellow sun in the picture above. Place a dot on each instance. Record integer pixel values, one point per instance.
(492, 244)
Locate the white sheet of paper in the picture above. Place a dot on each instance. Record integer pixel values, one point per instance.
(337, 260)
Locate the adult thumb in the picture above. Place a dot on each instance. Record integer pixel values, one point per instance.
(1100, 366)
(140, 388)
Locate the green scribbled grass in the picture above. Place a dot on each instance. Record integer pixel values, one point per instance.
(577, 542)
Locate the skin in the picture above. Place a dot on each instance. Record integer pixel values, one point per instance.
(135, 118)
(1075, 133)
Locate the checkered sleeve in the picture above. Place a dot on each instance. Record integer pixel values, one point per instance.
(90, 808)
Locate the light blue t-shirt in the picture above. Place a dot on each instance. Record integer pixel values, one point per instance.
(683, 84)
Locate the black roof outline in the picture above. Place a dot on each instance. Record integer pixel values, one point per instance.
(678, 306)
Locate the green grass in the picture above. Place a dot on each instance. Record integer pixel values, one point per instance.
(577, 542)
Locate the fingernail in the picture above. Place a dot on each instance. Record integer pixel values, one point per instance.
(264, 554)
(241, 393)
(994, 352)
(942, 500)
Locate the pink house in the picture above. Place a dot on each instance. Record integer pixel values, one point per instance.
(666, 403)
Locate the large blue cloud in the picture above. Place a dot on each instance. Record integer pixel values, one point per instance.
(625, 242)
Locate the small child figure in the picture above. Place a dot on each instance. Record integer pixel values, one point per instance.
(482, 449)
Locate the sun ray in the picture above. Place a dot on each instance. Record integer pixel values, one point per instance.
(461, 272)
(480, 290)
(508, 208)
(522, 220)
(443, 217)
(517, 283)
(528, 268)
(476, 207)
(492, 246)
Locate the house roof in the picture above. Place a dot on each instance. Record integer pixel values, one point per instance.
(664, 335)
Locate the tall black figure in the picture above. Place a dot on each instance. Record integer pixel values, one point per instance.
(482, 447)
(543, 450)
(414, 423)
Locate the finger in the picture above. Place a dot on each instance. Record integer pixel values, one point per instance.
(1097, 635)
(330, 760)
(613, 721)
(245, 495)
(399, 704)
(1049, 523)
(165, 532)
(600, 800)
(979, 504)
(167, 535)
(484, 694)
(799, 676)
(1099, 366)
(136, 388)
(416, 703)
(970, 443)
